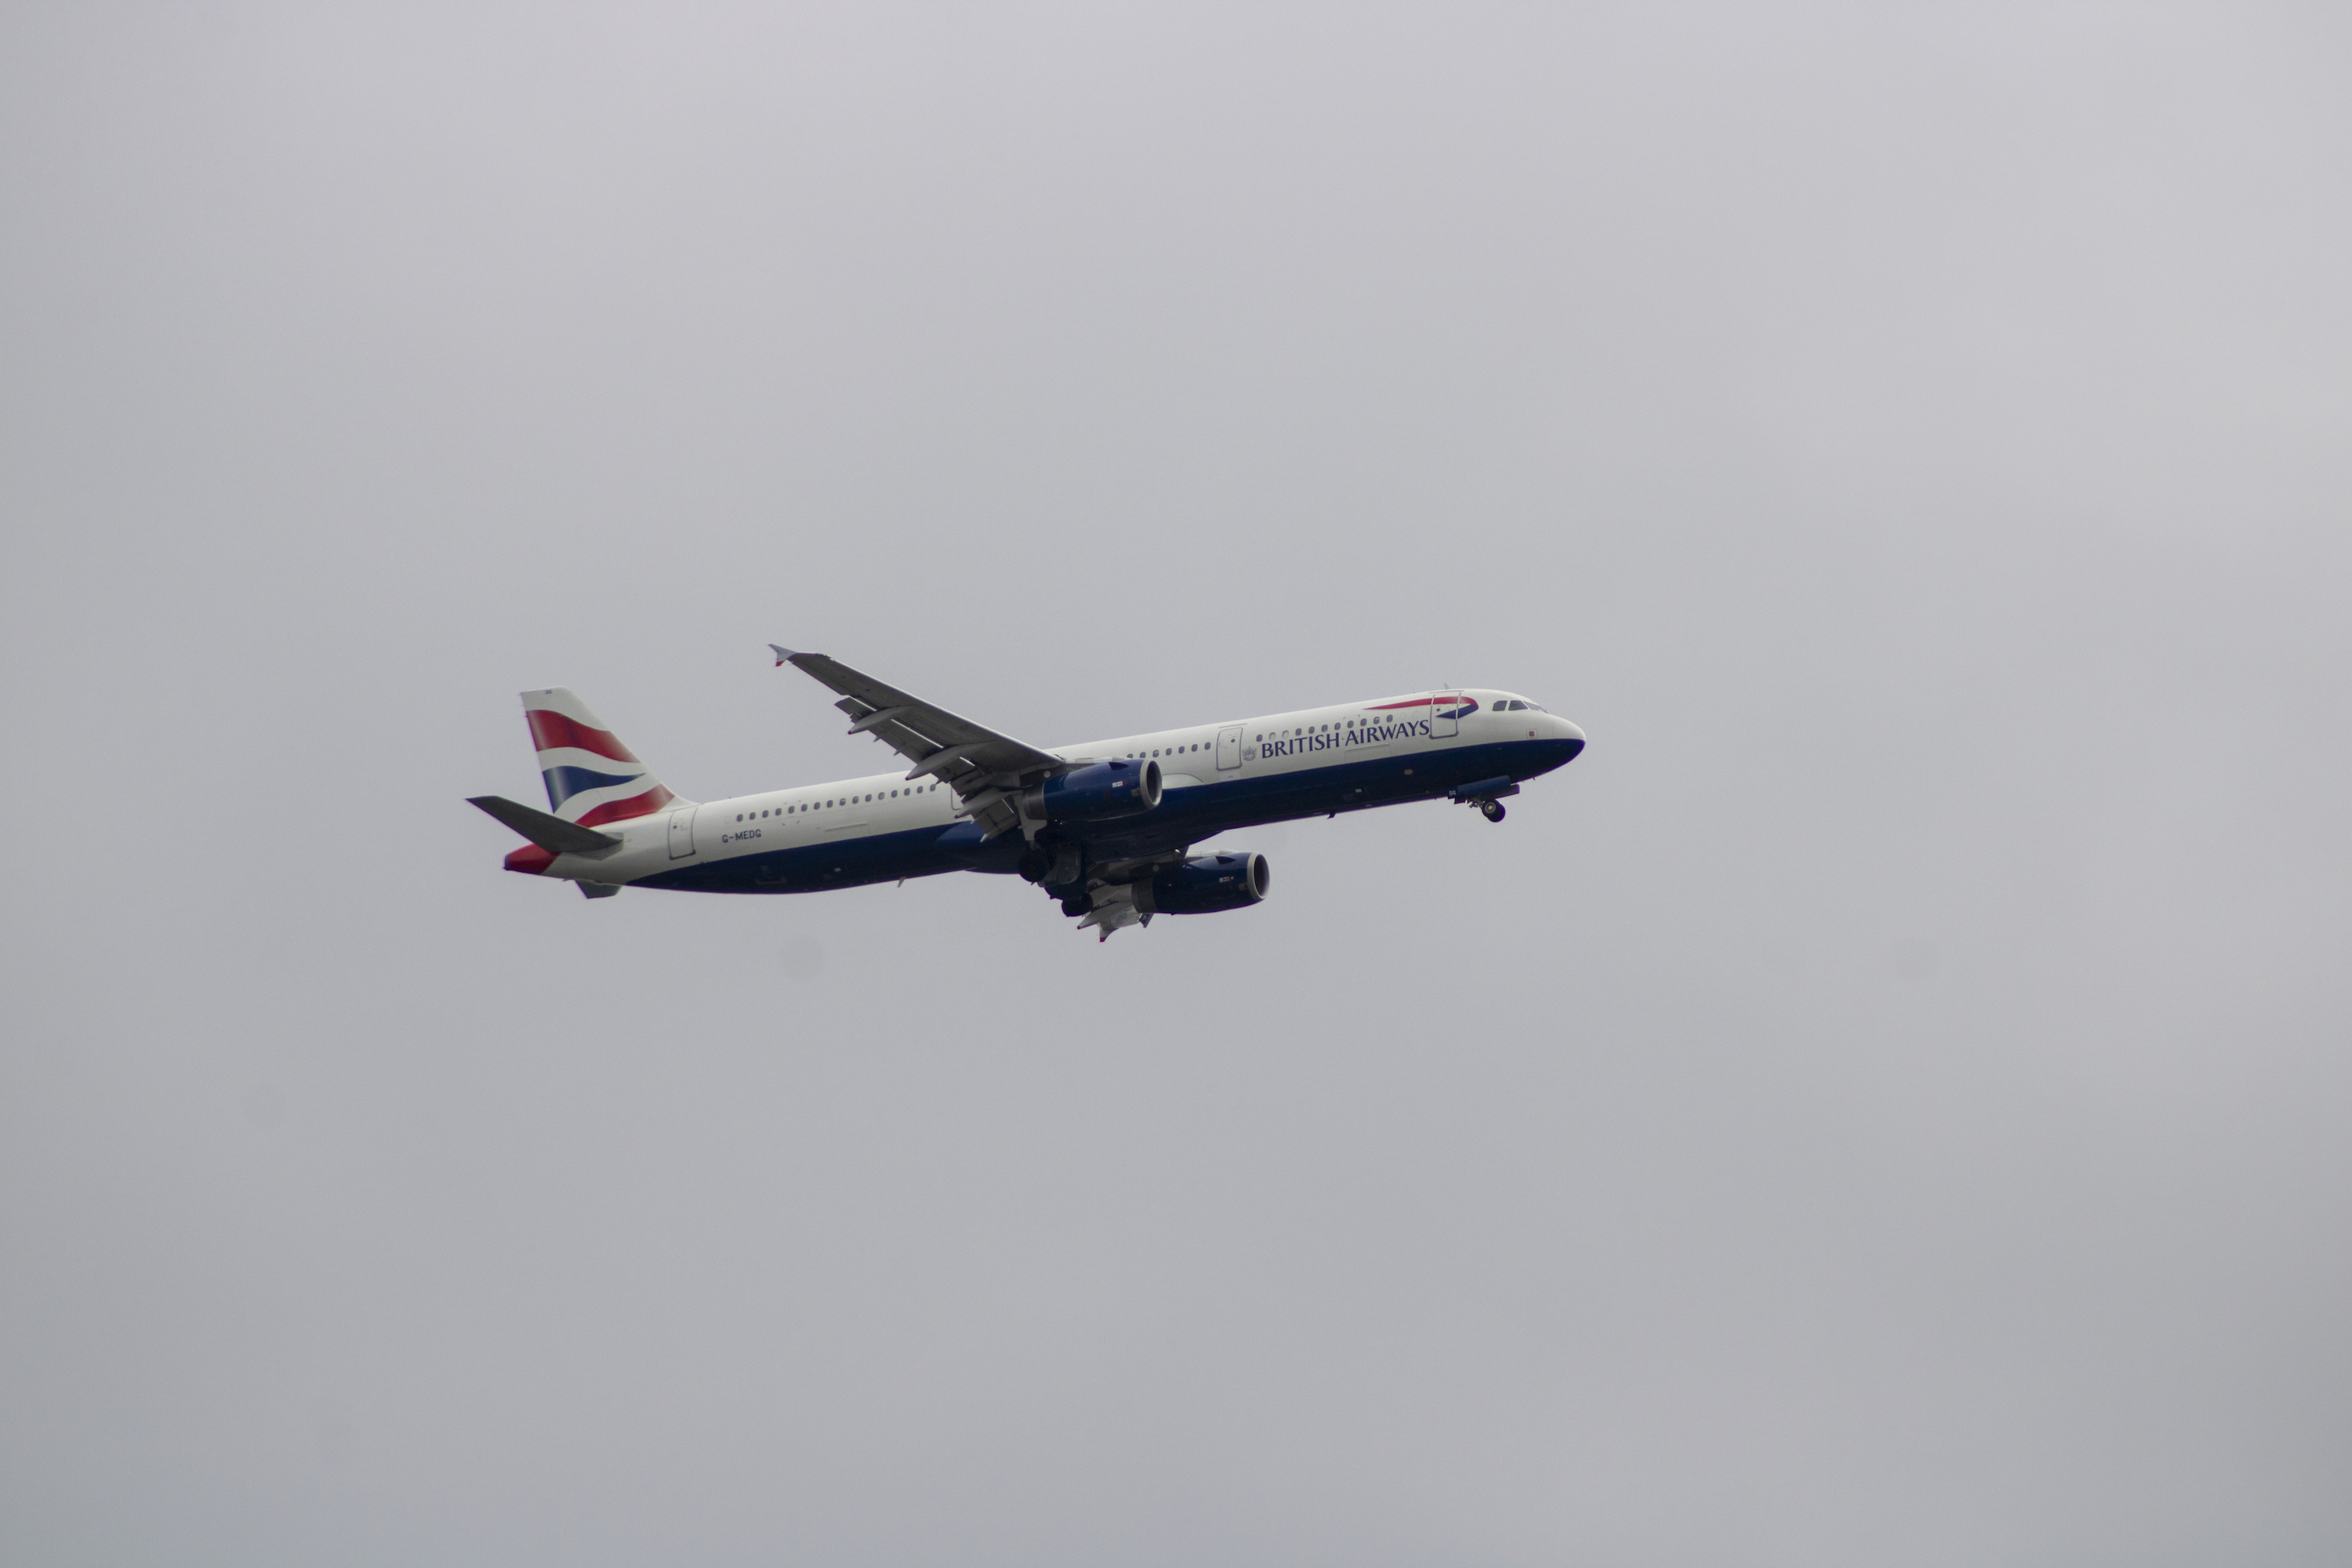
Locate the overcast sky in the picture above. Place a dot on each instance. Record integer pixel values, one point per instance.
(1885, 1103)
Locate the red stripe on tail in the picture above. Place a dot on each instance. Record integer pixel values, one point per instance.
(550, 729)
(644, 805)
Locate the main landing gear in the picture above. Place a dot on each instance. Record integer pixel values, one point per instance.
(1492, 810)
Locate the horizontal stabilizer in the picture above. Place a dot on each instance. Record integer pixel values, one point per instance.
(551, 833)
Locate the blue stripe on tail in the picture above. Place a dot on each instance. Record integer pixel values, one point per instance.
(563, 784)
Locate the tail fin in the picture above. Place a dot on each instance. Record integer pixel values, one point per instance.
(591, 778)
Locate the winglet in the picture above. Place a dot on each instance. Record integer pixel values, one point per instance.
(784, 654)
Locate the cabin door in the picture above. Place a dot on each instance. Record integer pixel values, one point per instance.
(1229, 747)
(681, 834)
(1445, 715)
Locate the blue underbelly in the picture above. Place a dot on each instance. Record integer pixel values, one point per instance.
(1184, 817)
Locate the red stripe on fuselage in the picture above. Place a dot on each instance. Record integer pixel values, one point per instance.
(1390, 707)
(644, 805)
(550, 730)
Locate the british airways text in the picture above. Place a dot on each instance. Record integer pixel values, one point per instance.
(1362, 735)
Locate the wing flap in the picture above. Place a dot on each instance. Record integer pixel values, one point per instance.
(971, 759)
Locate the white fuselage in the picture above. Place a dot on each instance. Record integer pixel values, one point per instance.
(1276, 758)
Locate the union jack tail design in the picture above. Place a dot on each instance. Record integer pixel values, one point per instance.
(591, 778)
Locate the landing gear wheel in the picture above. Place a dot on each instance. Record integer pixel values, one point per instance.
(1492, 810)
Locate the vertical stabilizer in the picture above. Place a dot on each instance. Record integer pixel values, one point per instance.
(591, 778)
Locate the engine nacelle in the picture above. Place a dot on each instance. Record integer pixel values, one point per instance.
(1208, 883)
(1095, 792)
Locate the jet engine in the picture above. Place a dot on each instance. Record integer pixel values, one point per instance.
(1095, 792)
(1208, 883)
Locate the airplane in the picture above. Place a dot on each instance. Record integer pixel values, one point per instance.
(1106, 828)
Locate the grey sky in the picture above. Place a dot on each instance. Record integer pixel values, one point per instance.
(1885, 1103)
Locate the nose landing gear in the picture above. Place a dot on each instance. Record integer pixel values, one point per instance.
(1486, 795)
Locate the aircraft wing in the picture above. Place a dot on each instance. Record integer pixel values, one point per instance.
(981, 766)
